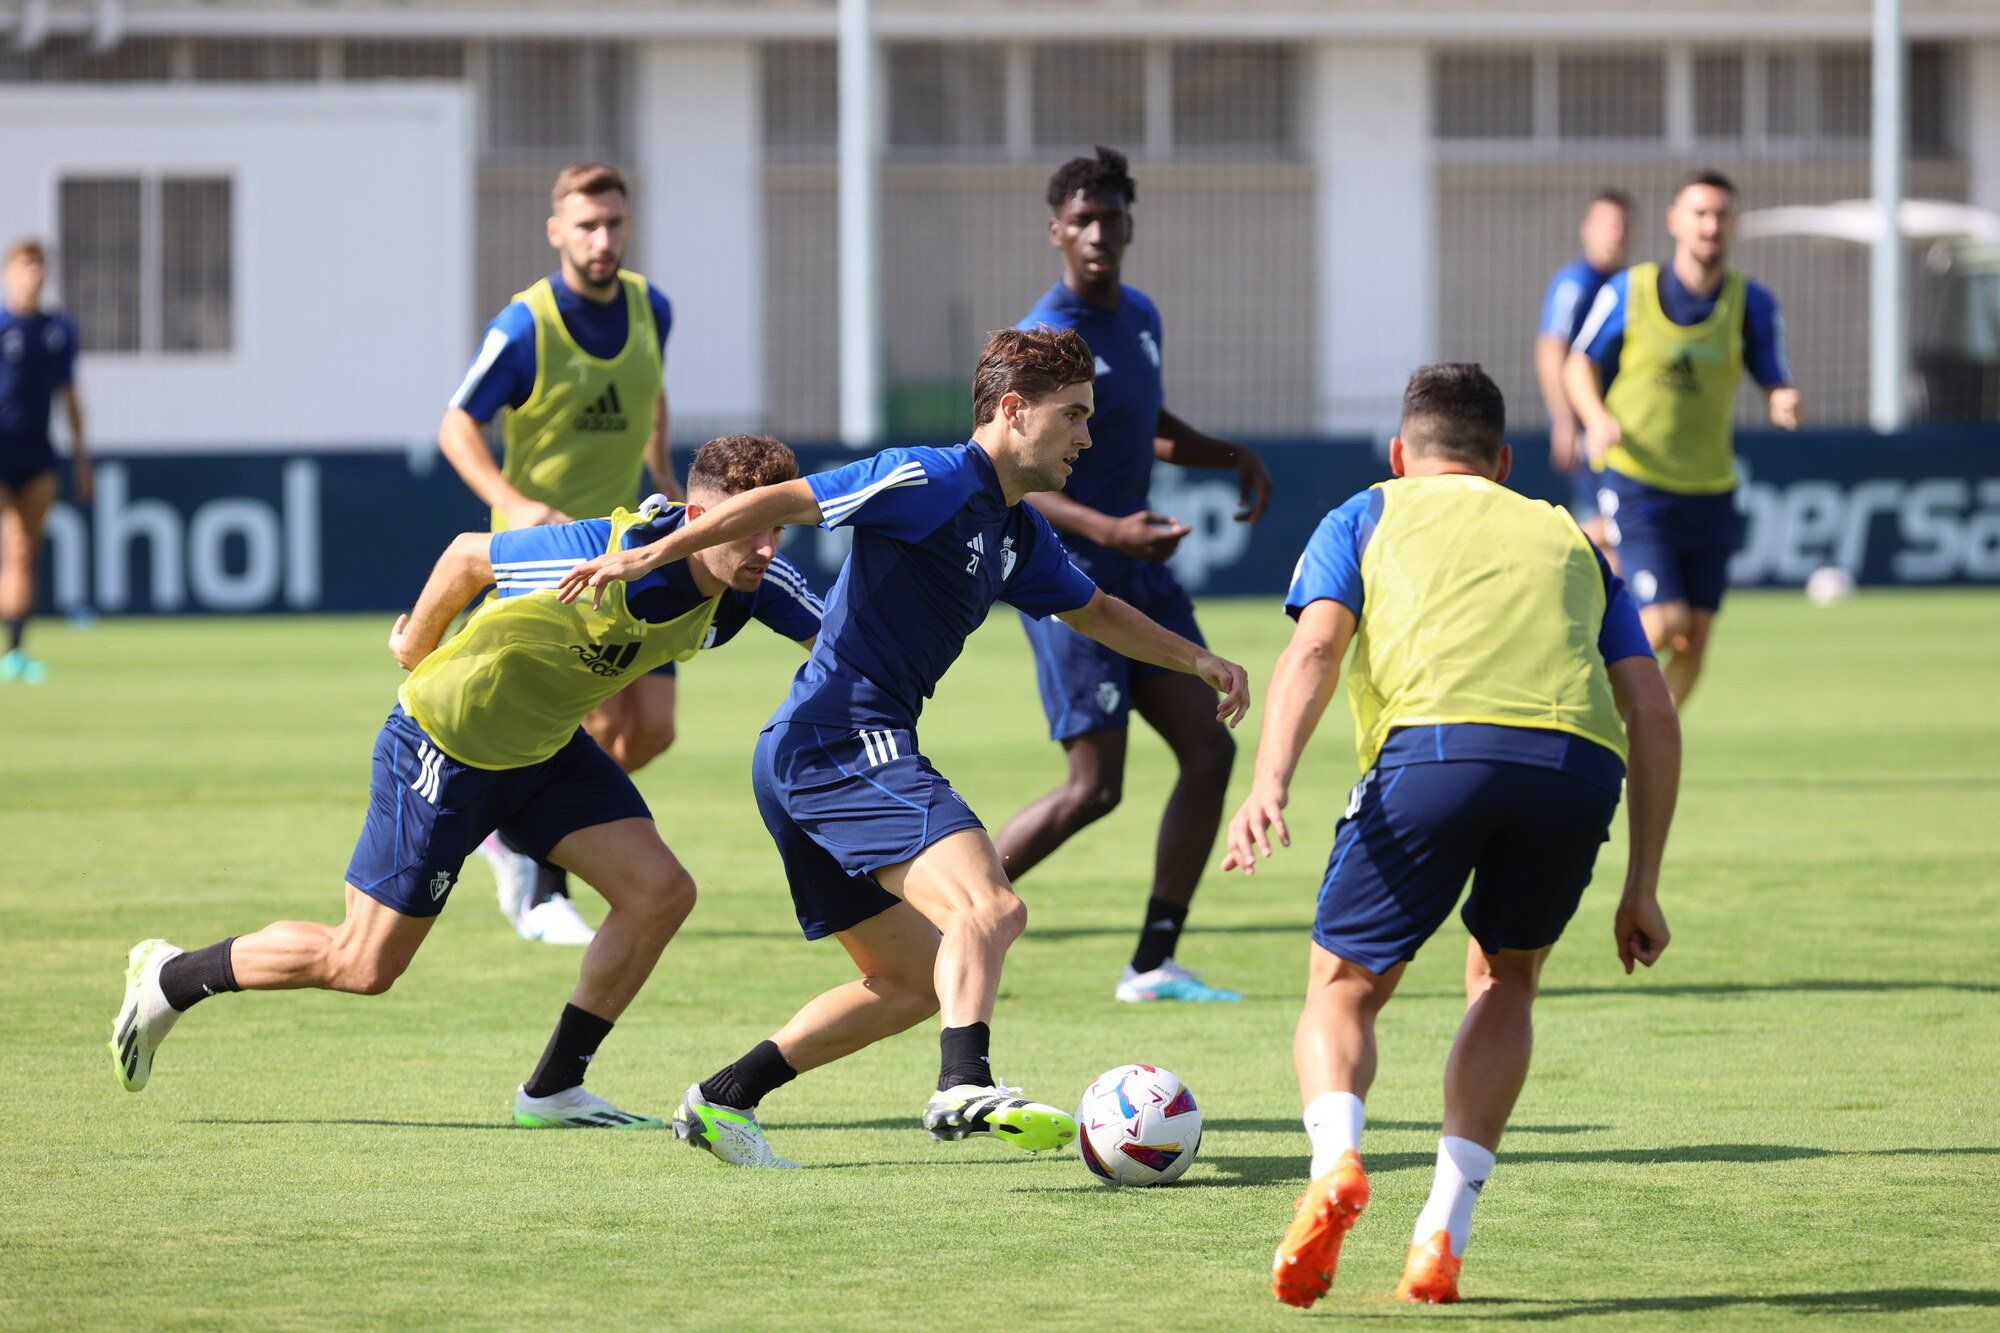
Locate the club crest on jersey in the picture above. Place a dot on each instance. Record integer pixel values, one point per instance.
(1007, 558)
(606, 659)
(606, 414)
(1152, 348)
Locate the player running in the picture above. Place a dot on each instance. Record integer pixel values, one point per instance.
(1089, 689)
(485, 736)
(1606, 226)
(879, 850)
(1498, 671)
(1653, 374)
(574, 366)
(37, 362)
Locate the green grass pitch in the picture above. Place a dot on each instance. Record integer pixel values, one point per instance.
(1790, 1120)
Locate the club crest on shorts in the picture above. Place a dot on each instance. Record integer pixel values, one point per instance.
(440, 884)
(1107, 697)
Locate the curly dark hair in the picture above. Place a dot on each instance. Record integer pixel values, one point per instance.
(1107, 173)
(1031, 362)
(736, 463)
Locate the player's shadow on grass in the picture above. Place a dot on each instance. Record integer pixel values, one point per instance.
(1291, 1125)
(1824, 986)
(1246, 1170)
(1879, 1300)
(375, 1123)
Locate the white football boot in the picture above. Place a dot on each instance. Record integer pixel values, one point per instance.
(554, 921)
(573, 1108)
(145, 1018)
(513, 875)
(728, 1134)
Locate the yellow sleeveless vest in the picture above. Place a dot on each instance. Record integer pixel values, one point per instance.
(579, 441)
(1675, 394)
(512, 686)
(1478, 605)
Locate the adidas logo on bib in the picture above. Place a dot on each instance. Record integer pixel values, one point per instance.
(606, 414)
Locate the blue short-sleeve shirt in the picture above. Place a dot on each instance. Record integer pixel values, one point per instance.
(935, 545)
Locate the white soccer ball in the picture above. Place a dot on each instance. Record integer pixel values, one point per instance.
(1137, 1125)
(1829, 584)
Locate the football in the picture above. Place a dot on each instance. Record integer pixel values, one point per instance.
(1138, 1125)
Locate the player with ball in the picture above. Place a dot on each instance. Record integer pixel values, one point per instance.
(1503, 692)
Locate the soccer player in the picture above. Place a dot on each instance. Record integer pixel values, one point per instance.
(1089, 690)
(1501, 685)
(485, 735)
(1607, 223)
(879, 850)
(1653, 373)
(37, 362)
(574, 367)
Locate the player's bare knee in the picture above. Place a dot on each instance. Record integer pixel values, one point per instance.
(1002, 914)
(1091, 801)
(667, 898)
(1212, 757)
(364, 974)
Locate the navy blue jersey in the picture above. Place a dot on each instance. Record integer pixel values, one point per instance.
(37, 357)
(935, 545)
(1115, 473)
(1602, 334)
(503, 374)
(528, 559)
(1569, 297)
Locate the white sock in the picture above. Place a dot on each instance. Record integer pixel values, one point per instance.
(1333, 1122)
(1462, 1169)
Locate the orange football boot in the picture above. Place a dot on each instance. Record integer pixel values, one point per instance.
(1431, 1275)
(1303, 1268)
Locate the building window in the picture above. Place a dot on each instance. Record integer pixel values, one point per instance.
(147, 263)
(801, 98)
(945, 96)
(1483, 96)
(367, 59)
(1718, 95)
(256, 60)
(562, 99)
(1607, 96)
(1236, 96)
(1089, 93)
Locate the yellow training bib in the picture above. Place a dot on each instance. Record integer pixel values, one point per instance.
(512, 686)
(1478, 605)
(1675, 395)
(579, 442)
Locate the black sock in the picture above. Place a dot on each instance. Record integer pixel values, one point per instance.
(577, 1036)
(750, 1080)
(15, 629)
(188, 978)
(1161, 934)
(550, 881)
(964, 1058)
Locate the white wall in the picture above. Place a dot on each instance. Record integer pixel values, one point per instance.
(701, 220)
(352, 270)
(1377, 228)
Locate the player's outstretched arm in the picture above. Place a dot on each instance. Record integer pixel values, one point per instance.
(464, 447)
(1182, 445)
(1586, 394)
(1144, 535)
(1652, 786)
(1551, 356)
(1787, 409)
(1302, 683)
(460, 573)
(739, 516)
(1116, 625)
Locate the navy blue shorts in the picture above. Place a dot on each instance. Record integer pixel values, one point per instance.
(1087, 687)
(843, 804)
(1527, 836)
(18, 467)
(427, 812)
(667, 669)
(1671, 548)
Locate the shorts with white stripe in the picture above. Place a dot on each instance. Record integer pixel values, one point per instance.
(842, 804)
(427, 812)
